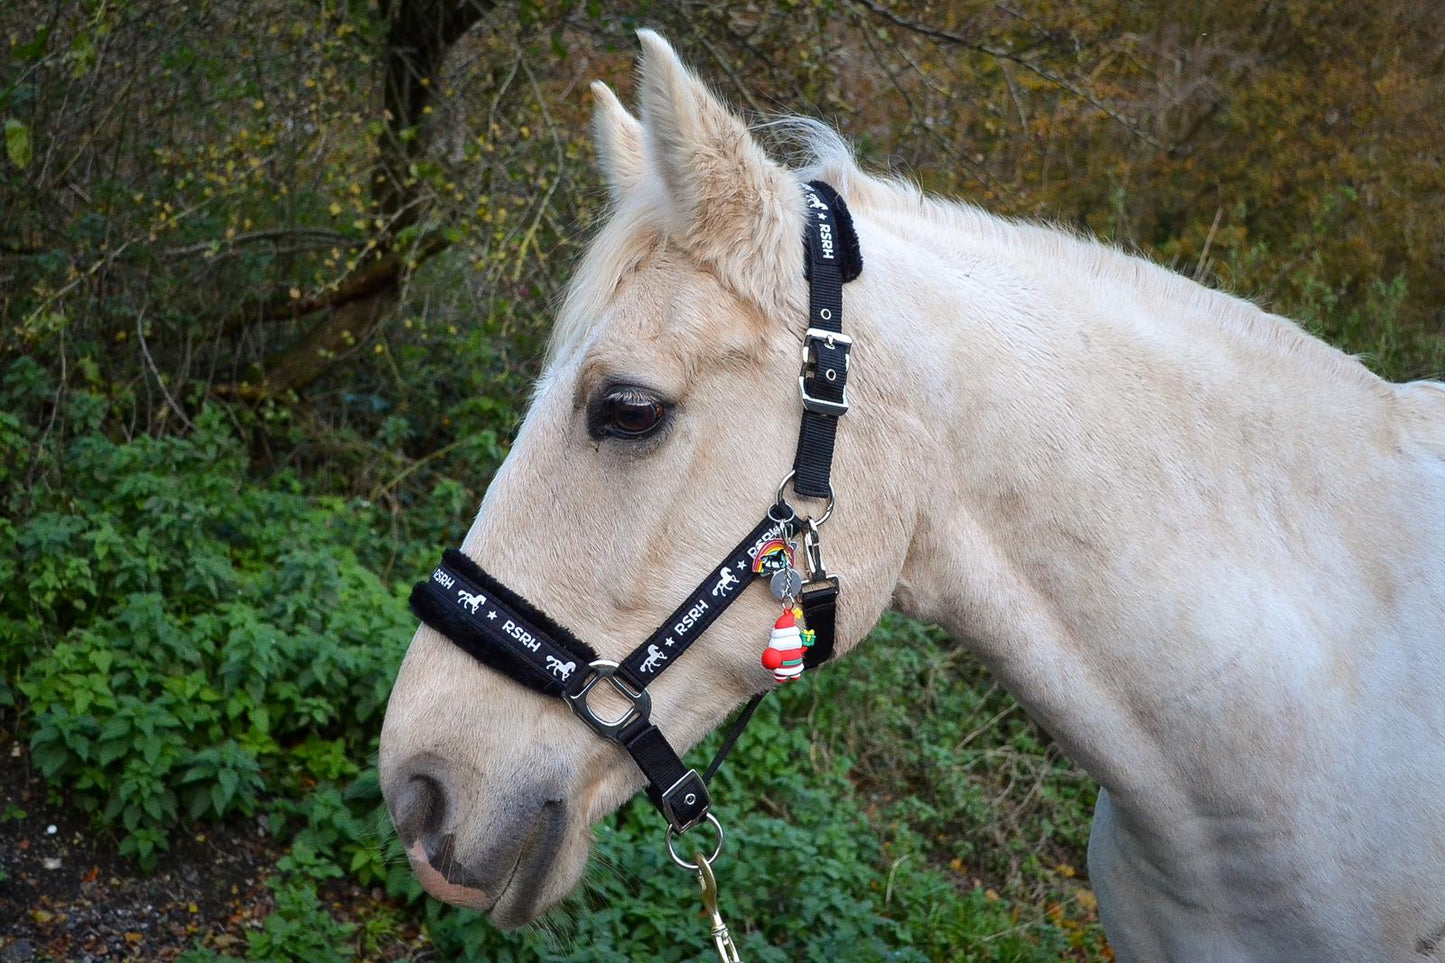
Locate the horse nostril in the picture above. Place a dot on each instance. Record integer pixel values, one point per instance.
(421, 809)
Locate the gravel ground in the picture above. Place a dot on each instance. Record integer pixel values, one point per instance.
(66, 894)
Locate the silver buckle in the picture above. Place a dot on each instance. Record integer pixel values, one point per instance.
(670, 814)
(834, 340)
(640, 708)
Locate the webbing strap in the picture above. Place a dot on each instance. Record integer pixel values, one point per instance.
(700, 609)
(832, 259)
(679, 793)
(820, 613)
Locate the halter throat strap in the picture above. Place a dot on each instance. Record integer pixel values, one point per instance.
(505, 632)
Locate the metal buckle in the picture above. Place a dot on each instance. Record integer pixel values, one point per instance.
(640, 708)
(670, 814)
(834, 340)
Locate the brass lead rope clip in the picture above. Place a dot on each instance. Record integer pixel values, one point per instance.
(722, 941)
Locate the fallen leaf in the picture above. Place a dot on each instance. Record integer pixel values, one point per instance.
(17, 142)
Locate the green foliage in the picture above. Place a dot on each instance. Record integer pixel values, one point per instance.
(187, 643)
(300, 930)
(17, 143)
(205, 627)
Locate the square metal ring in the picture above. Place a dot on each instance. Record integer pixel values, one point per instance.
(640, 701)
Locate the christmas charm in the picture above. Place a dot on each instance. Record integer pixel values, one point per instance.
(784, 654)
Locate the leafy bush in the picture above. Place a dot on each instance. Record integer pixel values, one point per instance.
(186, 642)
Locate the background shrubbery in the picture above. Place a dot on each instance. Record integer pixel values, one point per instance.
(274, 277)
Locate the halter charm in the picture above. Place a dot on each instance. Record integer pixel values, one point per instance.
(786, 584)
(784, 654)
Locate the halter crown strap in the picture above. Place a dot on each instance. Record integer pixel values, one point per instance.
(833, 258)
(506, 632)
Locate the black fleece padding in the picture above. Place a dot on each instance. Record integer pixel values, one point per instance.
(559, 634)
(512, 636)
(850, 253)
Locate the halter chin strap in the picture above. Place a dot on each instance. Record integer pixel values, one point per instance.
(507, 633)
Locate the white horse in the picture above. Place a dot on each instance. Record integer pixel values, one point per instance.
(1203, 549)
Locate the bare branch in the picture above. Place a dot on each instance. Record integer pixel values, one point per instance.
(323, 237)
(958, 40)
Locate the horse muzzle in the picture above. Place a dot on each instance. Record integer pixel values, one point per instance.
(499, 857)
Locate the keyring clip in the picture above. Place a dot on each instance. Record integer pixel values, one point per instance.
(787, 519)
(693, 867)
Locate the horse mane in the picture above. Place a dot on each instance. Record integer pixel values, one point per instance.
(817, 151)
(827, 156)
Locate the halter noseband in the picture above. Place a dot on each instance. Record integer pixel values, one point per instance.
(505, 632)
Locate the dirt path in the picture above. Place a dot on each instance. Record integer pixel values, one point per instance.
(66, 894)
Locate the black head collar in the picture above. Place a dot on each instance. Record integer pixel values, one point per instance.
(507, 633)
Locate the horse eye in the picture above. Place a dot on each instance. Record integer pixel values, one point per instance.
(625, 412)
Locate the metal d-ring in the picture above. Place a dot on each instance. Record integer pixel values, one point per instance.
(693, 867)
(827, 509)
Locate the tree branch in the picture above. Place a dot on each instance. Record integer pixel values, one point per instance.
(374, 277)
(958, 40)
(419, 34)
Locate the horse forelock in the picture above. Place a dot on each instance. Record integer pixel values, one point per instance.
(629, 235)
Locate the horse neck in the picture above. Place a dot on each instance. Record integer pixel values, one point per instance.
(1127, 485)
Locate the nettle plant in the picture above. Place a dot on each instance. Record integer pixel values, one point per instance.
(183, 643)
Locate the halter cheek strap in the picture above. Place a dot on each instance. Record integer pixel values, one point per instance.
(507, 633)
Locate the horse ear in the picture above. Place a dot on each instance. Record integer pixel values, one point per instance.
(731, 206)
(618, 138)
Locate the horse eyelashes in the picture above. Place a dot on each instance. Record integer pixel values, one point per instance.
(627, 412)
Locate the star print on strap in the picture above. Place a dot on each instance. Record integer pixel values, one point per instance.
(690, 619)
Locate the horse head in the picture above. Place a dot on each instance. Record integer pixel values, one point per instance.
(665, 416)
